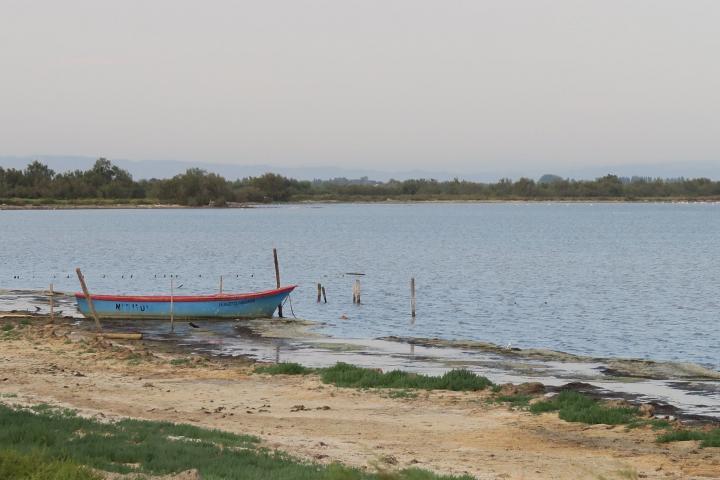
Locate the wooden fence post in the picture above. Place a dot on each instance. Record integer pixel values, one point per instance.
(277, 279)
(88, 299)
(357, 291)
(412, 296)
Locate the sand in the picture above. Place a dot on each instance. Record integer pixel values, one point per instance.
(447, 432)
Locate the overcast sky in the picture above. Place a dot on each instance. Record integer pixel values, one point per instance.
(462, 85)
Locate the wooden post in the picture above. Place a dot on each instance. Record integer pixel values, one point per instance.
(319, 293)
(357, 291)
(221, 284)
(172, 304)
(412, 296)
(88, 299)
(354, 293)
(277, 279)
(324, 296)
(52, 304)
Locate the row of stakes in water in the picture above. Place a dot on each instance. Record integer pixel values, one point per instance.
(131, 276)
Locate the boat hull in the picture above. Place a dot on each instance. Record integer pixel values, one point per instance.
(223, 306)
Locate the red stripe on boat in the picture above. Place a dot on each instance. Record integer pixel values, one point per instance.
(189, 298)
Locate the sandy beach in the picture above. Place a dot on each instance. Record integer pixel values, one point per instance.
(446, 432)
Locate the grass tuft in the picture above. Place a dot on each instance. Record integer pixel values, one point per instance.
(16, 466)
(576, 407)
(710, 438)
(346, 375)
(285, 368)
(515, 401)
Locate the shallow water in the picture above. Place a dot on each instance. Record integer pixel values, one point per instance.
(610, 280)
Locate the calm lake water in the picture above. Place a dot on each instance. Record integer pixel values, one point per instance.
(616, 280)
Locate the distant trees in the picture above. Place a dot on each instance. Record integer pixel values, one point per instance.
(197, 187)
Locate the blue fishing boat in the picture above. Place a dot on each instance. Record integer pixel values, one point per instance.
(218, 306)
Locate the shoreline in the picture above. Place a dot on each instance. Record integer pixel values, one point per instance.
(442, 431)
(682, 390)
(389, 201)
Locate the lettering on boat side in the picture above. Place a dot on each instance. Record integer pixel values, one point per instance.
(237, 302)
(130, 306)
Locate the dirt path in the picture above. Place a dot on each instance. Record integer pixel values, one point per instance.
(442, 431)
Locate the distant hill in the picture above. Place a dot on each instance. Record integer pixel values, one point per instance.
(550, 178)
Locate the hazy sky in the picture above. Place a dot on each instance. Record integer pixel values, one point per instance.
(464, 85)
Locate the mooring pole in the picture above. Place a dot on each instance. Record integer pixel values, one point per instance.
(412, 296)
(324, 296)
(277, 278)
(357, 291)
(221, 279)
(52, 304)
(88, 299)
(319, 296)
(172, 304)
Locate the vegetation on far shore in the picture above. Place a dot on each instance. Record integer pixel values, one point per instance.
(106, 184)
(346, 375)
(66, 444)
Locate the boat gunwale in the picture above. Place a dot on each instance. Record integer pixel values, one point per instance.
(216, 297)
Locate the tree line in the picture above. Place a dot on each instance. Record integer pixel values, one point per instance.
(196, 187)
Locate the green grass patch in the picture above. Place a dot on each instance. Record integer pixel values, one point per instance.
(654, 423)
(284, 368)
(516, 401)
(181, 362)
(402, 394)
(16, 466)
(345, 375)
(7, 327)
(158, 448)
(576, 407)
(709, 438)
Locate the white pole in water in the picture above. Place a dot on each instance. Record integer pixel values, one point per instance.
(172, 304)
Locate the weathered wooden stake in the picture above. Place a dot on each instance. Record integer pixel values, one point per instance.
(52, 304)
(319, 293)
(277, 279)
(412, 296)
(172, 304)
(324, 296)
(88, 299)
(221, 284)
(357, 291)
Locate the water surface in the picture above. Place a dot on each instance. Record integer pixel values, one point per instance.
(609, 280)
